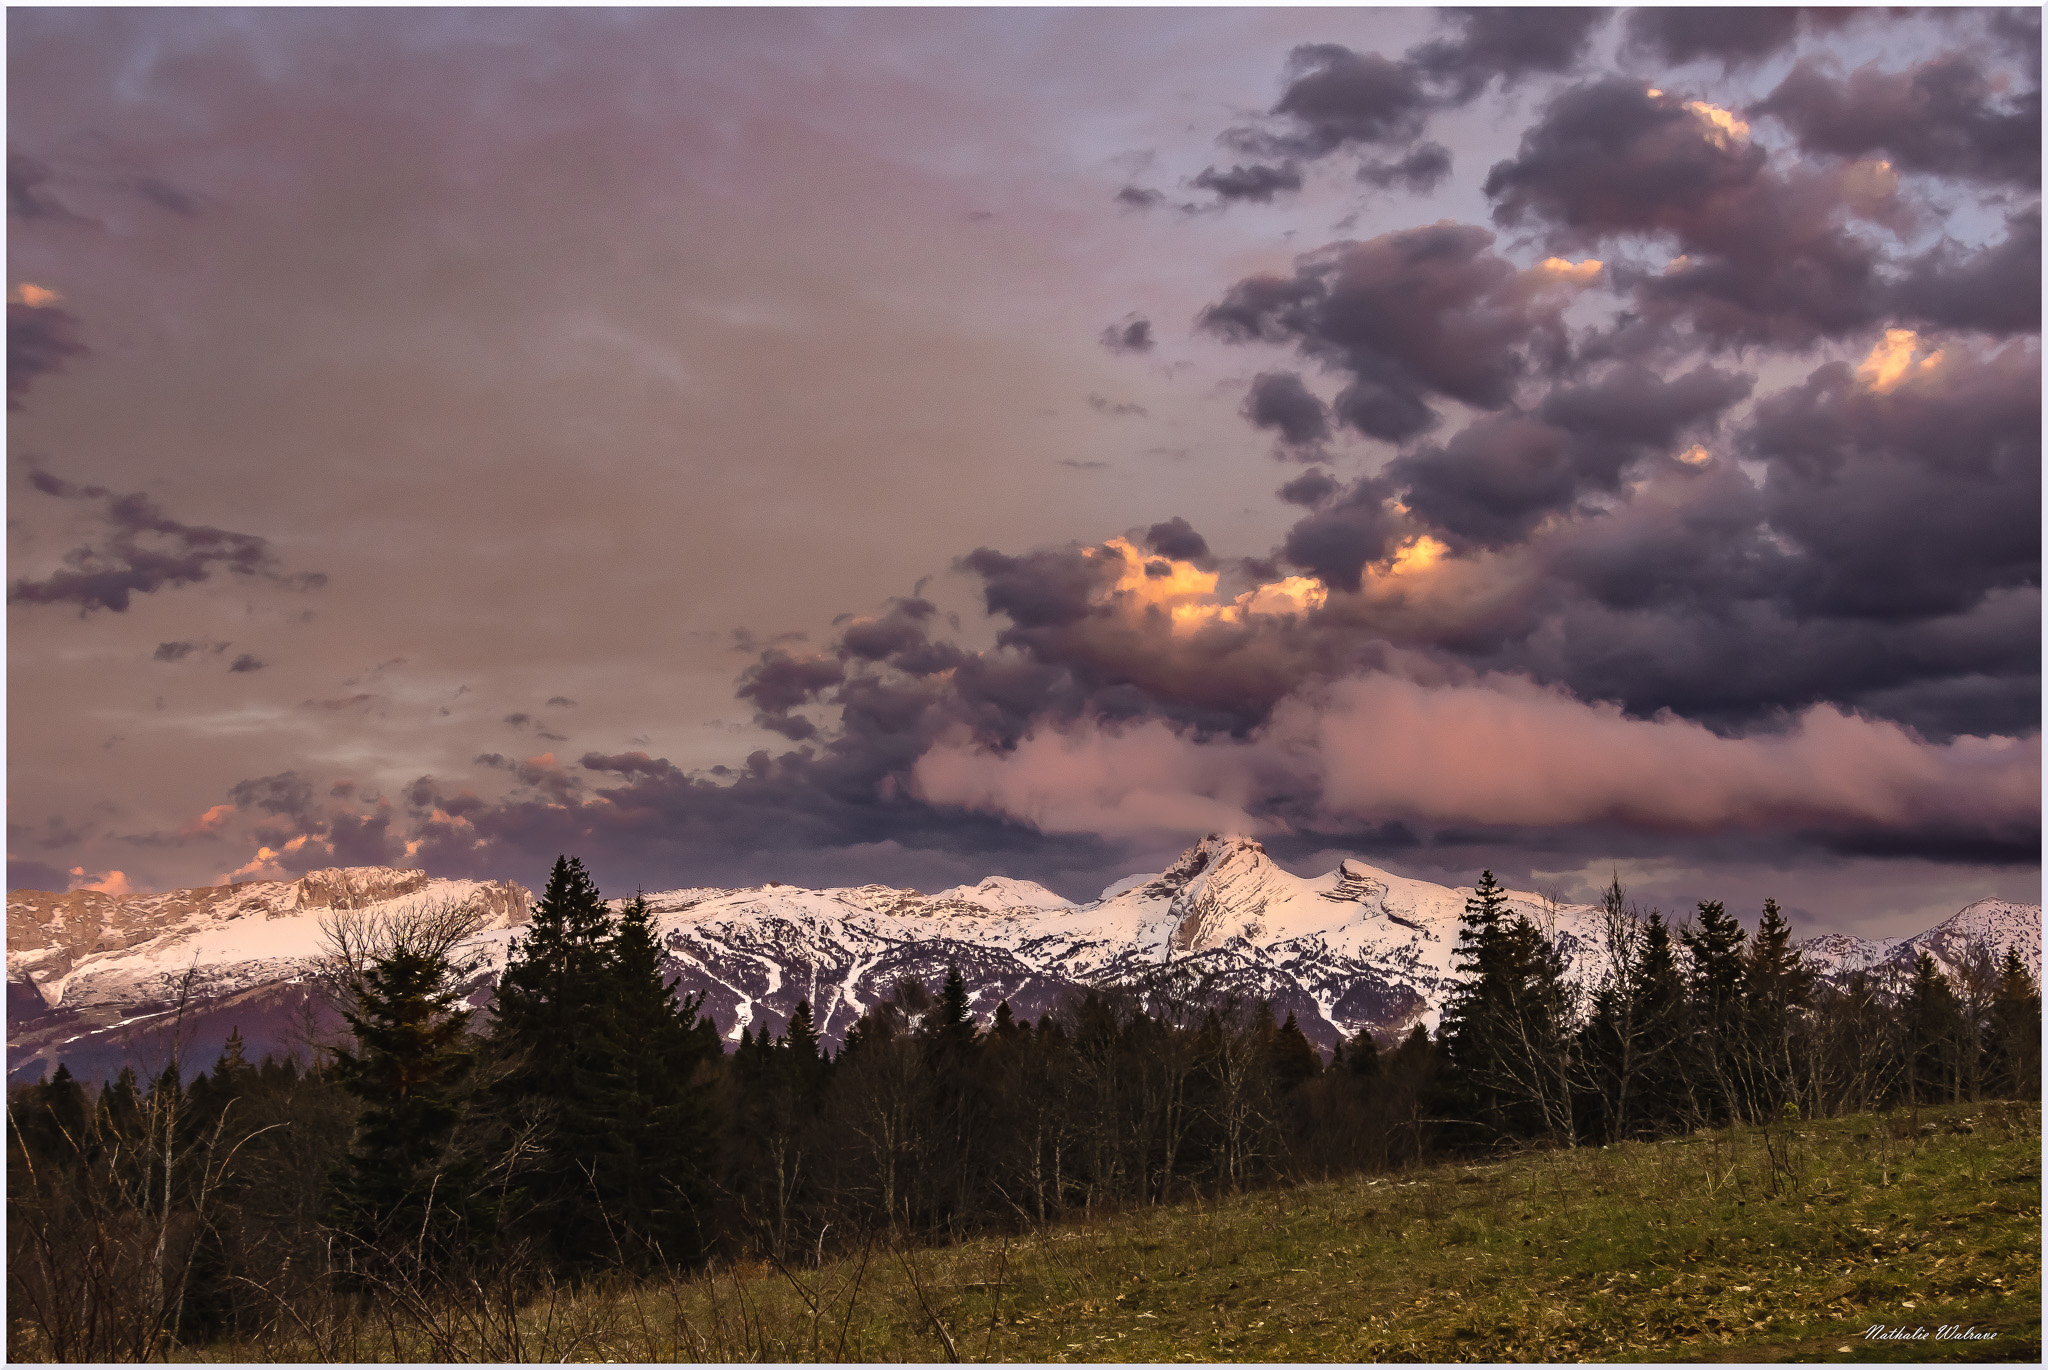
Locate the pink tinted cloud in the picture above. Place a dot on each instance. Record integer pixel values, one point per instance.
(1499, 750)
(1118, 782)
(1505, 750)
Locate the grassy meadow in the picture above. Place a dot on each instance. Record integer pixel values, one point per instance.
(1751, 1244)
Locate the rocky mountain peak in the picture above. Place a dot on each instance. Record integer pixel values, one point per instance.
(1230, 882)
(1212, 852)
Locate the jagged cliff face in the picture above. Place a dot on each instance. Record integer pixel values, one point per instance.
(1356, 948)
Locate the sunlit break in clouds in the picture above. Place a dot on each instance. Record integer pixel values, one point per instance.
(832, 446)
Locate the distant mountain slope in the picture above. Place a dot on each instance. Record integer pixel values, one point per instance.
(92, 978)
(1355, 948)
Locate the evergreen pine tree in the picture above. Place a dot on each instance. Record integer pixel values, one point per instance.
(1465, 1031)
(955, 1101)
(807, 1065)
(1714, 1010)
(1777, 989)
(1930, 1022)
(612, 1073)
(658, 1101)
(563, 1068)
(1362, 1055)
(1290, 1059)
(1658, 1099)
(1506, 1026)
(2015, 1036)
(409, 1067)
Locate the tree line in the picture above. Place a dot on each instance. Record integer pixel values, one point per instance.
(589, 1123)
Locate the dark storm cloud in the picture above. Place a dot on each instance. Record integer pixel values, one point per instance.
(1258, 182)
(901, 638)
(1889, 561)
(1336, 99)
(1339, 98)
(286, 794)
(628, 763)
(1279, 402)
(1047, 588)
(1490, 484)
(1176, 538)
(1996, 288)
(1496, 479)
(1912, 502)
(1407, 315)
(141, 550)
(40, 339)
(1945, 117)
(1337, 541)
(1308, 489)
(1419, 172)
(246, 663)
(359, 840)
(826, 819)
(1610, 157)
(1635, 410)
(1731, 35)
(779, 682)
(1129, 335)
(1766, 257)
(1508, 43)
(1138, 197)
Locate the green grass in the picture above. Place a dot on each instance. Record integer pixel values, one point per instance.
(1740, 1245)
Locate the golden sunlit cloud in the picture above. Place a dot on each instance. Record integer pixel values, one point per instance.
(34, 296)
(262, 866)
(1140, 576)
(1727, 128)
(1895, 361)
(1187, 594)
(1574, 273)
(1695, 455)
(1294, 595)
(113, 882)
(1416, 554)
(210, 822)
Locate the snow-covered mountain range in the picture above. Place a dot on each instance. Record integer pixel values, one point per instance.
(89, 974)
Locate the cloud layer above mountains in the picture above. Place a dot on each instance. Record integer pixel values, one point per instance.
(1533, 438)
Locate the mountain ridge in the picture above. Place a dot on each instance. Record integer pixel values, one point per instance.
(1357, 948)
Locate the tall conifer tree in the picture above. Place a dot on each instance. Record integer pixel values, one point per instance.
(410, 1067)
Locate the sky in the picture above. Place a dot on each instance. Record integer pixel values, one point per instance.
(908, 446)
